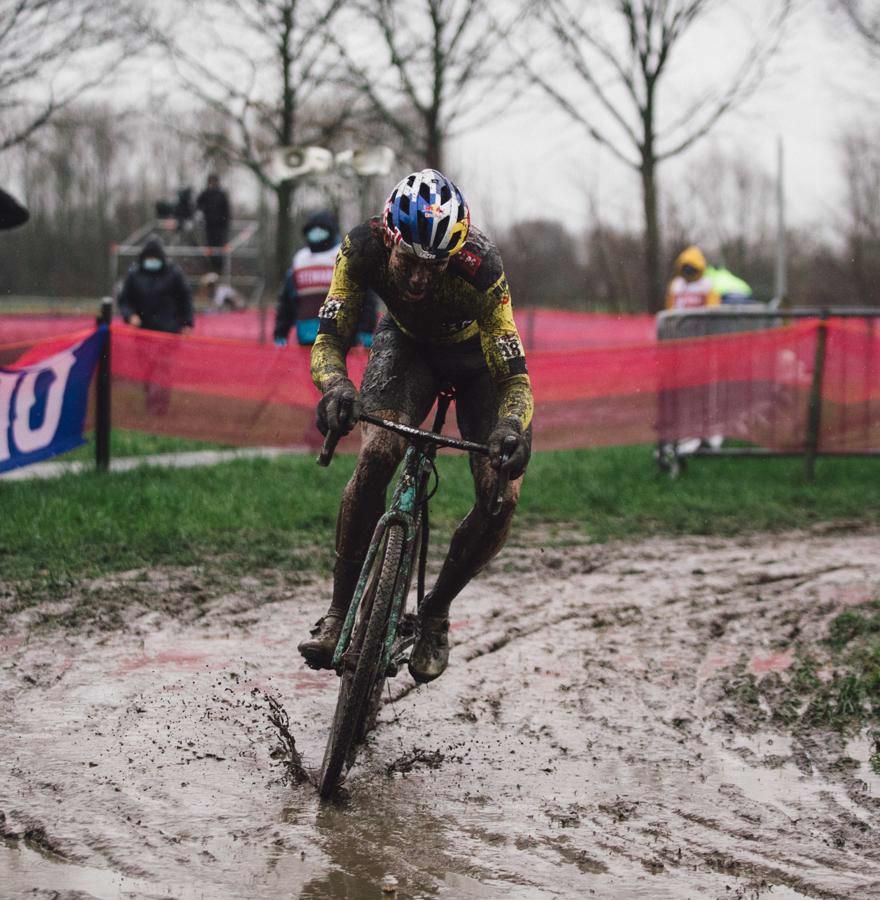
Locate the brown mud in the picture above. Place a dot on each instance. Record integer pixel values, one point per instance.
(589, 738)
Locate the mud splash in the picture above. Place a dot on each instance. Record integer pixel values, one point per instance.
(584, 741)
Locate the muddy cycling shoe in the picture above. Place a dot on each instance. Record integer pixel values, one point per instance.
(318, 649)
(430, 653)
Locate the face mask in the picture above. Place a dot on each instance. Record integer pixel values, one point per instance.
(317, 235)
(151, 264)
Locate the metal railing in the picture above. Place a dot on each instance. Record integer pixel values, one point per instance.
(242, 247)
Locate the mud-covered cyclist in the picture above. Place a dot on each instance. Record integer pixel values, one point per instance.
(449, 320)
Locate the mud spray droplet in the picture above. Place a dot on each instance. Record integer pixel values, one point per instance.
(287, 752)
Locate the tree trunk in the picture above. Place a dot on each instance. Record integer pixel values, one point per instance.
(652, 255)
(283, 232)
(433, 145)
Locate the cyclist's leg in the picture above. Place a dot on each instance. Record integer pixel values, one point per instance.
(480, 535)
(477, 539)
(397, 385)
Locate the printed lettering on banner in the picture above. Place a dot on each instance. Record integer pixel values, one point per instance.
(43, 406)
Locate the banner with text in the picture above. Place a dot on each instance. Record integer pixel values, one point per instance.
(43, 403)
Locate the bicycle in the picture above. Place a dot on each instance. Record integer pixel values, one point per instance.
(379, 631)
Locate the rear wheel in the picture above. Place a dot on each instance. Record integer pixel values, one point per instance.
(361, 682)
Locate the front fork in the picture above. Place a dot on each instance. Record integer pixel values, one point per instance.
(405, 511)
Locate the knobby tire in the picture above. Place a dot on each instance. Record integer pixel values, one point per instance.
(360, 688)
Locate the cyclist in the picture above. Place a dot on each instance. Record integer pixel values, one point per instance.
(449, 320)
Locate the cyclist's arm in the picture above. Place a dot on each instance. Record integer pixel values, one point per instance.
(505, 356)
(338, 317)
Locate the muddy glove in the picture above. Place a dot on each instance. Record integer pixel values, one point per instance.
(339, 408)
(507, 437)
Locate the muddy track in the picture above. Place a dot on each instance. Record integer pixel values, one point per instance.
(588, 738)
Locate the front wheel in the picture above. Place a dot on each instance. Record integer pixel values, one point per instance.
(361, 679)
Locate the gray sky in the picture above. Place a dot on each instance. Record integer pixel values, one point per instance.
(534, 161)
(823, 81)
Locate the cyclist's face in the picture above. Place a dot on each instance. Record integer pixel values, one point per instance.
(415, 277)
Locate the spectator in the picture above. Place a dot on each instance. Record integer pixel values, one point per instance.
(12, 213)
(697, 284)
(184, 213)
(155, 294)
(213, 203)
(156, 297)
(307, 282)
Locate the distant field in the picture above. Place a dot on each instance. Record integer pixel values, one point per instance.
(57, 305)
(260, 514)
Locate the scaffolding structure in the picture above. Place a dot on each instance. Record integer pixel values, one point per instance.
(241, 262)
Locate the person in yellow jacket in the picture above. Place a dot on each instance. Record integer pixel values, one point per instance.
(697, 284)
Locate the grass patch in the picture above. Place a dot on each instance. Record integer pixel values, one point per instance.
(134, 443)
(834, 684)
(257, 514)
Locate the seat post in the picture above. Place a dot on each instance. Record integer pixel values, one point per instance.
(445, 396)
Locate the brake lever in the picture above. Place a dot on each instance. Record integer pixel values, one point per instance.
(507, 449)
(331, 439)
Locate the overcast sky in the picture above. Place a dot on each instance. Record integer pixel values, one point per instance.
(528, 163)
(535, 162)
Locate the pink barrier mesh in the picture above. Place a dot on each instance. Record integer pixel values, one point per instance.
(541, 329)
(749, 385)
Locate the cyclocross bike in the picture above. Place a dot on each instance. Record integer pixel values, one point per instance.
(379, 631)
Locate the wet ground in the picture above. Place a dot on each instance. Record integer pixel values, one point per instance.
(584, 742)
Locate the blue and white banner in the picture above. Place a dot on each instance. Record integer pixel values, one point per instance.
(43, 406)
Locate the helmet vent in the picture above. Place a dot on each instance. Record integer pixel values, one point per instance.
(440, 233)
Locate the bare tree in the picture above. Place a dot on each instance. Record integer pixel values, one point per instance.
(265, 70)
(52, 51)
(865, 17)
(861, 169)
(618, 67)
(441, 61)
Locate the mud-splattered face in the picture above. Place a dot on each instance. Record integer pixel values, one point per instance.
(414, 277)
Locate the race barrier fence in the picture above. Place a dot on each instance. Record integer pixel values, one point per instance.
(843, 380)
(540, 328)
(810, 386)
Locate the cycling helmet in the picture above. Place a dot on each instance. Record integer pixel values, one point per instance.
(427, 213)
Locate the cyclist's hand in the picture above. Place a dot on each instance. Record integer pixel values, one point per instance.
(507, 438)
(339, 408)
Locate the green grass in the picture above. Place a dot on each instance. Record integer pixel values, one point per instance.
(837, 685)
(133, 443)
(261, 514)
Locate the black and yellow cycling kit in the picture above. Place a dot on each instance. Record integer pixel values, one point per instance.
(470, 304)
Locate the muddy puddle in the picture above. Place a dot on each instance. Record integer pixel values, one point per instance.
(583, 742)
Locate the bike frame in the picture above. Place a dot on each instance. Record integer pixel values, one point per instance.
(407, 508)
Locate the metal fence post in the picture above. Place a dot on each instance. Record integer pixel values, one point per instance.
(102, 392)
(814, 418)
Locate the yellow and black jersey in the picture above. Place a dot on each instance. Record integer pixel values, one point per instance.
(470, 298)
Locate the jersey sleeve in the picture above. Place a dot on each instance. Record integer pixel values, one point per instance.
(505, 355)
(339, 314)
